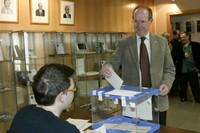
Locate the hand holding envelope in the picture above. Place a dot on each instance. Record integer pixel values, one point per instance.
(112, 77)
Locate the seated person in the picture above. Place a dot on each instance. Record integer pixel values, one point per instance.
(53, 89)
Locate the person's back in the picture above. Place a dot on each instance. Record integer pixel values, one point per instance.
(32, 119)
(53, 89)
(177, 54)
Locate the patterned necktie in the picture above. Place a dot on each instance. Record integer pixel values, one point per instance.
(144, 65)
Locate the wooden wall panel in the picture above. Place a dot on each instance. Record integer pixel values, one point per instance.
(90, 16)
(93, 15)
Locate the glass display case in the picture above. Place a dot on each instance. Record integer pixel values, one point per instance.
(8, 104)
(58, 47)
(28, 58)
(126, 109)
(90, 51)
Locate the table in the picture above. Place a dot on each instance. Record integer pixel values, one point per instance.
(86, 114)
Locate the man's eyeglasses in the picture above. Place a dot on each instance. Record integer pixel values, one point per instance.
(70, 90)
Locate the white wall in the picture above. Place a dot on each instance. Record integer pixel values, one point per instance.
(162, 7)
(192, 18)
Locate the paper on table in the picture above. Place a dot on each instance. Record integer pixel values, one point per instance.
(115, 80)
(85, 126)
(79, 123)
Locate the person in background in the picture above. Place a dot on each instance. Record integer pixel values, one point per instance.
(66, 14)
(127, 53)
(176, 52)
(166, 35)
(6, 9)
(40, 11)
(53, 88)
(190, 67)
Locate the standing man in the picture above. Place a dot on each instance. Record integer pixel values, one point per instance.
(40, 11)
(190, 67)
(176, 51)
(161, 71)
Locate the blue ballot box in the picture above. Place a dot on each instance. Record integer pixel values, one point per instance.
(134, 108)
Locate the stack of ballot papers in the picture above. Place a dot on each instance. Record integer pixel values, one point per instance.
(80, 123)
(84, 124)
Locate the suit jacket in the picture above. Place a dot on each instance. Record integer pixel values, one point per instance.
(162, 68)
(177, 54)
(66, 15)
(37, 13)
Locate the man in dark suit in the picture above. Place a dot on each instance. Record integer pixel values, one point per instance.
(190, 67)
(162, 70)
(176, 52)
(66, 14)
(40, 11)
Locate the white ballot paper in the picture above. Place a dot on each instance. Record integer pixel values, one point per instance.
(115, 80)
(80, 123)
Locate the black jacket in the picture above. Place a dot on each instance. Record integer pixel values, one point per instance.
(195, 53)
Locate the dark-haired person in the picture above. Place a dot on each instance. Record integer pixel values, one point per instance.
(190, 67)
(127, 55)
(53, 88)
(66, 14)
(176, 52)
(6, 9)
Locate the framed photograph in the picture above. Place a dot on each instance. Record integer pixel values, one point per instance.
(9, 11)
(66, 10)
(39, 11)
(198, 25)
(179, 26)
(189, 26)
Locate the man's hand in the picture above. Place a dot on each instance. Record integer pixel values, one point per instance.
(164, 90)
(106, 71)
(187, 55)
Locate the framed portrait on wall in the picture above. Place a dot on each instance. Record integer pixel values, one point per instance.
(179, 26)
(39, 11)
(66, 9)
(189, 26)
(198, 25)
(9, 11)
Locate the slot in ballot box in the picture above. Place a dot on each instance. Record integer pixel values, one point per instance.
(124, 110)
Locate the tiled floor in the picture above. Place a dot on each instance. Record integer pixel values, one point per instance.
(185, 115)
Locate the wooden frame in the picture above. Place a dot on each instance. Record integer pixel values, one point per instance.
(179, 26)
(9, 11)
(39, 16)
(66, 18)
(198, 25)
(189, 26)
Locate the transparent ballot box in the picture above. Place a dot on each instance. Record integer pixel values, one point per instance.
(126, 110)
